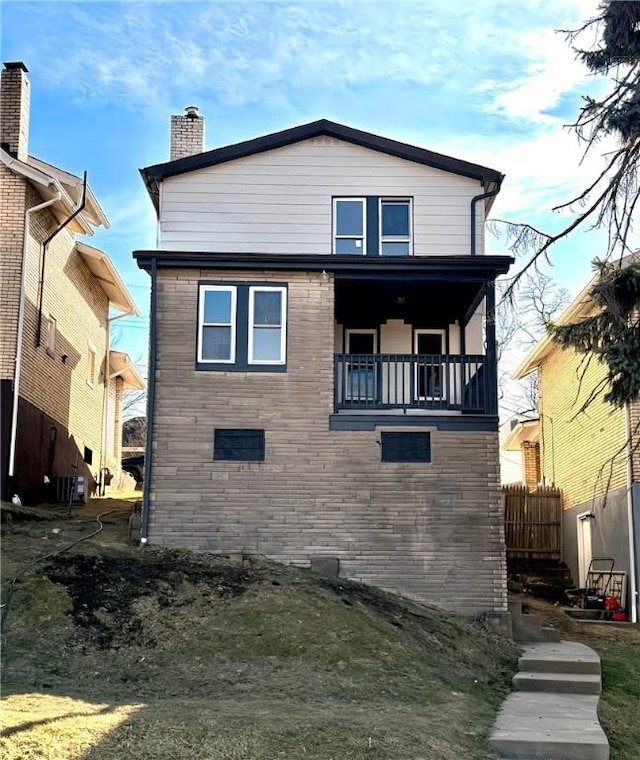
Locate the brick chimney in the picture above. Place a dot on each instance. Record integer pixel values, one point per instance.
(187, 134)
(15, 99)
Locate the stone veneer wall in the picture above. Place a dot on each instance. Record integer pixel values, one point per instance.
(432, 532)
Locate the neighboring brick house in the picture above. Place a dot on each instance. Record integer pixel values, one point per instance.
(57, 293)
(322, 367)
(585, 454)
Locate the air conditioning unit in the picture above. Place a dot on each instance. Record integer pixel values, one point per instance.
(69, 487)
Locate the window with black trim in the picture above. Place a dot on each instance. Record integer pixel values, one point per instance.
(395, 227)
(217, 324)
(372, 226)
(242, 327)
(405, 447)
(238, 445)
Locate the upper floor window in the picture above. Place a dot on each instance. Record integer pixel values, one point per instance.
(395, 227)
(51, 336)
(349, 224)
(242, 327)
(372, 226)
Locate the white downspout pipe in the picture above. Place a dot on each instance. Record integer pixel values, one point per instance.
(633, 590)
(20, 330)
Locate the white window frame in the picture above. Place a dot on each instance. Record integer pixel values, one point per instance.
(369, 331)
(253, 289)
(363, 237)
(52, 327)
(233, 317)
(443, 335)
(395, 238)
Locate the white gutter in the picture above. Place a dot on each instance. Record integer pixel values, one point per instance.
(20, 330)
(633, 590)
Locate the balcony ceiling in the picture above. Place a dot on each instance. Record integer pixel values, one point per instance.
(361, 303)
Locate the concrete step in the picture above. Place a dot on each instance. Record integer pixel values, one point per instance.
(562, 657)
(529, 628)
(542, 726)
(558, 683)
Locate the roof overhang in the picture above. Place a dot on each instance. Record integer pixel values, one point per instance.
(73, 186)
(154, 175)
(51, 182)
(467, 268)
(582, 306)
(523, 431)
(103, 270)
(120, 365)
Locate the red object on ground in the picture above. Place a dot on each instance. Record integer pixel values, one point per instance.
(621, 617)
(611, 603)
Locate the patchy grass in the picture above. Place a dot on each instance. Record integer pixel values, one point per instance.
(113, 651)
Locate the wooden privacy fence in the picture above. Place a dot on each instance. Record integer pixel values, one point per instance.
(532, 522)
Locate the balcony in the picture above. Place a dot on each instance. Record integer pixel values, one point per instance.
(423, 382)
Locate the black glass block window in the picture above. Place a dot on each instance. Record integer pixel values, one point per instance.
(406, 447)
(239, 445)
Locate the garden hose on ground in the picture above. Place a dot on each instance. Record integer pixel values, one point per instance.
(12, 582)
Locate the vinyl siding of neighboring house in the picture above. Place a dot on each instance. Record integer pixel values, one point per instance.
(280, 201)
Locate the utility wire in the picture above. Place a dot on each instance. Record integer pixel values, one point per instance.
(12, 583)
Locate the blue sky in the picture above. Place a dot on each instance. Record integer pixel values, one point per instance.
(485, 80)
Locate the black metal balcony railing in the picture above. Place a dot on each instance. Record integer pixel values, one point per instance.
(413, 381)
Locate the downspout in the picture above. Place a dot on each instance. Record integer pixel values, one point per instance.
(633, 588)
(475, 200)
(151, 395)
(44, 255)
(20, 330)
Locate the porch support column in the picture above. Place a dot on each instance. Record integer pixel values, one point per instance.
(490, 331)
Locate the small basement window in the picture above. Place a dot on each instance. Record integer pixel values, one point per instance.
(238, 445)
(405, 447)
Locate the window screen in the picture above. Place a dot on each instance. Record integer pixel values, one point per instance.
(239, 445)
(406, 447)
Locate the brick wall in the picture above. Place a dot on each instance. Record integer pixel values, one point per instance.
(55, 381)
(12, 208)
(15, 102)
(531, 463)
(581, 452)
(187, 136)
(431, 531)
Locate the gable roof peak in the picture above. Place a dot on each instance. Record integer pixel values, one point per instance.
(153, 175)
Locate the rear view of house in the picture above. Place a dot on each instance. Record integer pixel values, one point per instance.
(61, 386)
(323, 368)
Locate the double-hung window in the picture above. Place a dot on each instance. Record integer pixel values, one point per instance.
(395, 227)
(242, 327)
(372, 226)
(349, 225)
(217, 324)
(267, 329)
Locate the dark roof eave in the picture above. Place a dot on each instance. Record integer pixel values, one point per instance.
(470, 267)
(157, 172)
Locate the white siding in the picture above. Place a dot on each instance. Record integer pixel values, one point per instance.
(280, 201)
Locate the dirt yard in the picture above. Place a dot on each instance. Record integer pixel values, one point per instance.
(112, 651)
